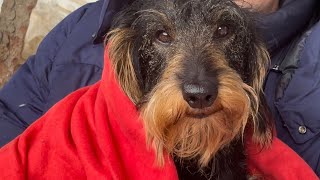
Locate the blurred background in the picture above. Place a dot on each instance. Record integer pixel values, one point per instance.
(23, 24)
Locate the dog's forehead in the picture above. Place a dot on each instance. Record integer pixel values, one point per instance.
(203, 3)
(182, 3)
(191, 6)
(198, 11)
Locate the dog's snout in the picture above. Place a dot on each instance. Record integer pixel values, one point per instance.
(199, 95)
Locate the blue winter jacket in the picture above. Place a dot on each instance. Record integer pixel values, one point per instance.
(71, 56)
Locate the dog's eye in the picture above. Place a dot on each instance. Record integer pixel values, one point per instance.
(222, 31)
(163, 37)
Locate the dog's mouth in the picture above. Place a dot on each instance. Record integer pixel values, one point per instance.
(204, 112)
(199, 115)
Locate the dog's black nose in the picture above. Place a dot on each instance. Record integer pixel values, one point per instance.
(199, 95)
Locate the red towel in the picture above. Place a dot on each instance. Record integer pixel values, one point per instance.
(95, 133)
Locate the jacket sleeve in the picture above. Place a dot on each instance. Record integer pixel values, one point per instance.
(23, 99)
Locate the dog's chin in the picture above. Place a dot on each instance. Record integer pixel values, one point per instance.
(200, 134)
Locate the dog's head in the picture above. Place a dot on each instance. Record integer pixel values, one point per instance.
(195, 70)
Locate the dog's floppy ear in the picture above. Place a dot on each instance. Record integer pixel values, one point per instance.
(121, 40)
(262, 122)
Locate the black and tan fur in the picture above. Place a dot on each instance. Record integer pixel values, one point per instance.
(195, 70)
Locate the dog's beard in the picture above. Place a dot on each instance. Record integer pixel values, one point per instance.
(172, 126)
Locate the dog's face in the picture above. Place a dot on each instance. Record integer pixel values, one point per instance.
(194, 68)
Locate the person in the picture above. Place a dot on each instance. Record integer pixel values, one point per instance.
(71, 56)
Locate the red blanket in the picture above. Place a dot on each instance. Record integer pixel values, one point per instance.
(95, 133)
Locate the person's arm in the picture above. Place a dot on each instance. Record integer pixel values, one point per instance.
(25, 97)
